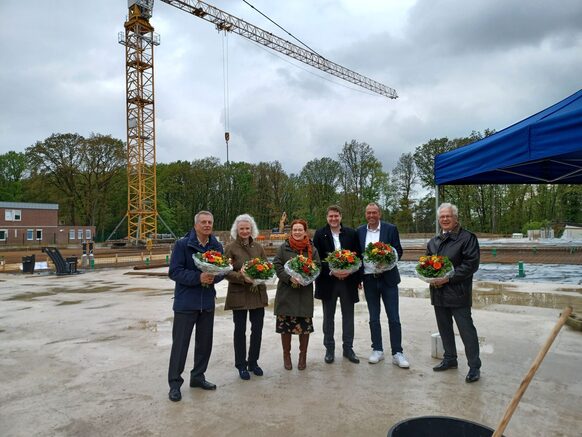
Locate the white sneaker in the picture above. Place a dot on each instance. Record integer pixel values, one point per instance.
(400, 360)
(376, 357)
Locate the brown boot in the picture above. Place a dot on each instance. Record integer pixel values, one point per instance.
(303, 342)
(286, 342)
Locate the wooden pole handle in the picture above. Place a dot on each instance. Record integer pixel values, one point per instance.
(530, 374)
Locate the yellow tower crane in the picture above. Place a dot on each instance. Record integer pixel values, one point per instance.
(139, 40)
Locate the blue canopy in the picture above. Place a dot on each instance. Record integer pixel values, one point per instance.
(543, 148)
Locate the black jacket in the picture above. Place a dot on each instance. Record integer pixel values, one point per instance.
(323, 241)
(462, 248)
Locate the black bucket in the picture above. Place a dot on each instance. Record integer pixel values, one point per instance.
(439, 426)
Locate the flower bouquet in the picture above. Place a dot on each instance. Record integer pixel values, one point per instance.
(343, 261)
(380, 257)
(432, 267)
(302, 269)
(259, 270)
(212, 262)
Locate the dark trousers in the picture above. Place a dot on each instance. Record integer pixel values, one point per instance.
(239, 317)
(464, 321)
(181, 334)
(340, 290)
(376, 290)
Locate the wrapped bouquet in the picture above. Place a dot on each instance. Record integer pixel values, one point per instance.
(380, 257)
(259, 270)
(344, 261)
(431, 267)
(302, 269)
(212, 262)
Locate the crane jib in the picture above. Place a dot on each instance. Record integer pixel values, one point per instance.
(227, 22)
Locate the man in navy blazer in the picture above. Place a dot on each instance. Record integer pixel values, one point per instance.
(194, 301)
(331, 286)
(382, 286)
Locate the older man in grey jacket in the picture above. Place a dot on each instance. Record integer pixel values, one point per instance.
(452, 295)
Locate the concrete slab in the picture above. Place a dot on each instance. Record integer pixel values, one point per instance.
(87, 355)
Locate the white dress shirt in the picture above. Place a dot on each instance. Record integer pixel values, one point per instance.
(372, 236)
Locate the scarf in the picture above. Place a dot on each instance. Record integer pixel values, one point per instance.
(301, 245)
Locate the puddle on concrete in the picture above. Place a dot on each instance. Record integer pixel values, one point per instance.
(145, 324)
(160, 293)
(30, 296)
(100, 306)
(140, 289)
(62, 340)
(69, 302)
(99, 339)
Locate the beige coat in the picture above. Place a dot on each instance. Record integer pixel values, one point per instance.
(242, 295)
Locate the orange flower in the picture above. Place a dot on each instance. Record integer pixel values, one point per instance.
(437, 265)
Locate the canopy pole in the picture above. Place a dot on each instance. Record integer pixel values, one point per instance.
(436, 208)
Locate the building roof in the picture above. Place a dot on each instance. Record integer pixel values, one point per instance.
(25, 205)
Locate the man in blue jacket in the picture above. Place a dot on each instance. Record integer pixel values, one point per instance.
(194, 299)
(383, 286)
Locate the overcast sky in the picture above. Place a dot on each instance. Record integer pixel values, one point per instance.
(457, 66)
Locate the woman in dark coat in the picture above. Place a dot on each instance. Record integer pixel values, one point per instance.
(293, 302)
(243, 298)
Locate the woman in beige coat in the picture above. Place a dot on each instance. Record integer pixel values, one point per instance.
(243, 298)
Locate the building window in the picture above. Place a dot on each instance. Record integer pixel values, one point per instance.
(12, 215)
(79, 234)
(71, 234)
(88, 234)
(3, 234)
(30, 234)
(39, 234)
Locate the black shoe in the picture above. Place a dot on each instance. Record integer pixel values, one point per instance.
(175, 394)
(203, 384)
(244, 374)
(473, 375)
(256, 370)
(329, 356)
(351, 355)
(446, 365)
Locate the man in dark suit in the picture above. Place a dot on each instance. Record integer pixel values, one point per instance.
(331, 286)
(382, 286)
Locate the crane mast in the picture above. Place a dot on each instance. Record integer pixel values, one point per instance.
(139, 40)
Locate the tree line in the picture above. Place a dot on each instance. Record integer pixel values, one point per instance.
(87, 178)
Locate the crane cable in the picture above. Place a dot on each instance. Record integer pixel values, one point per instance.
(226, 91)
(284, 30)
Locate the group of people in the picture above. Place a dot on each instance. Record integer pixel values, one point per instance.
(194, 294)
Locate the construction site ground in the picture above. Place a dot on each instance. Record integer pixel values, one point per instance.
(87, 355)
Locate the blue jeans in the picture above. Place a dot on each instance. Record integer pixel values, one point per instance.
(375, 289)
